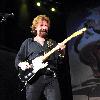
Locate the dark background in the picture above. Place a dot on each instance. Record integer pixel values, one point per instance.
(15, 29)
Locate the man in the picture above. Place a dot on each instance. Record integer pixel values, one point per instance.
(32, 50)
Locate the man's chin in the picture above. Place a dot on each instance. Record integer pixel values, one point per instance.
(43, 34)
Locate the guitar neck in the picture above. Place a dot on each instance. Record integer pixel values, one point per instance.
(45, 56)
(74, 35)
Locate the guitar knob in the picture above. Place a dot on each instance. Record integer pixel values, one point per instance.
(29, 74)
(48, 69)
(26, 77)
(54, 74)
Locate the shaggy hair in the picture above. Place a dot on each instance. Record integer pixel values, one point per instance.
(37, 19)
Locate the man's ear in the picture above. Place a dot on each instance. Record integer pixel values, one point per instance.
(34, 32)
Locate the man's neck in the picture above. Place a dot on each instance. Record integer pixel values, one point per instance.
(39, 40)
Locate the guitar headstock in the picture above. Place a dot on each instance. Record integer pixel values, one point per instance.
(79, 32)
(74, 35)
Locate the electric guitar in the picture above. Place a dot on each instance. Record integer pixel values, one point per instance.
(29, 74)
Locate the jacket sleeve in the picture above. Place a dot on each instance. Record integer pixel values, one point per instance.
(56, 57)
(22, 54)
(59, 54)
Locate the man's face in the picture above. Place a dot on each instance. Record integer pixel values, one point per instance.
(42, 28)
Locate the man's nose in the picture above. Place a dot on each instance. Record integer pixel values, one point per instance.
(44, 28)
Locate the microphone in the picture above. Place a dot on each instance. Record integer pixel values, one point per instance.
(6, 14)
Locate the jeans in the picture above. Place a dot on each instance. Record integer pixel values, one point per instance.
(45, 85)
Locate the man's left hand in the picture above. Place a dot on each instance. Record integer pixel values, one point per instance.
(61, 46)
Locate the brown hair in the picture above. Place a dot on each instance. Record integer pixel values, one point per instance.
(36, 19)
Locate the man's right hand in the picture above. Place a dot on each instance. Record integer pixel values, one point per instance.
(38, 64)
(24, 65)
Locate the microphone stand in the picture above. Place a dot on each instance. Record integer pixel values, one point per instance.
(3, 16)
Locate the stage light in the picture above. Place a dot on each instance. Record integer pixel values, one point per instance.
(38, 4)
(53, 9)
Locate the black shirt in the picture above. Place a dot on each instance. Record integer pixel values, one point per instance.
(31, 49)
